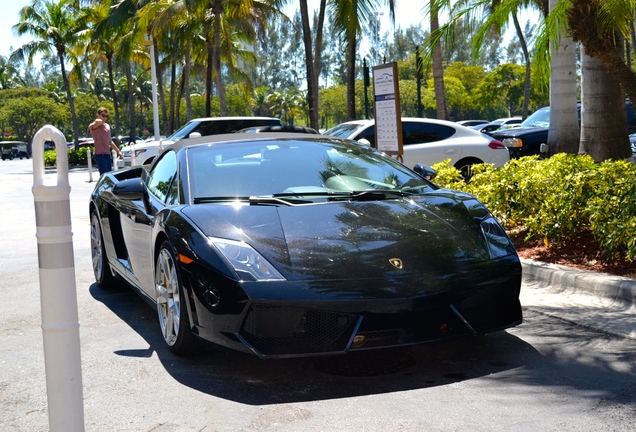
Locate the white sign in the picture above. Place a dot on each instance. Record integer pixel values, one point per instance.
(388, 120)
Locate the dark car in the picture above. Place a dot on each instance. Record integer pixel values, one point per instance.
(287, 245)
(14, 150)
(527, 139)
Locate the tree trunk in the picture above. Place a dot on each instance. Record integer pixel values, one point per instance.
(111, 81)
(174, 102)
(161, 93)
(438, 75)
(220, 88)
(186, 80)
(351, 78)
(603, 118)
(131, 102)
(564, 132)
(526, 57)
(318, 53)
(312, 97)
(208, 80)
(71, 102)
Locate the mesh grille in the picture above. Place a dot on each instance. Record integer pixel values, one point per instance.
(276, 330)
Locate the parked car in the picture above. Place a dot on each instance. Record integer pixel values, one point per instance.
(144, 152)
(428, 141)
(285, 245)
(124, 140)
(14, 150)
(499, 124)
(527, 139)
(471, 123)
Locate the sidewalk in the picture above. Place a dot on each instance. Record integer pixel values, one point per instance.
(595, 300)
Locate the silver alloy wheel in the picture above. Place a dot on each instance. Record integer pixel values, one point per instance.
(168, 296)
(96, 247)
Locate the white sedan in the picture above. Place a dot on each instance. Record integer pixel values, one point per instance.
(429, 141)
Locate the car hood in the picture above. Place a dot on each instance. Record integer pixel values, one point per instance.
(513, 132)
(427, 235)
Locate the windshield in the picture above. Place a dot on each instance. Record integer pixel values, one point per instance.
(540, 118)
(296, 169)
(344, 130)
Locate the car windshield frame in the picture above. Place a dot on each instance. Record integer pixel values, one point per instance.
(307, 171)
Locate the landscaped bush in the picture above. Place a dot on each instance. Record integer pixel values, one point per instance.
(558, 199)
(75, 157)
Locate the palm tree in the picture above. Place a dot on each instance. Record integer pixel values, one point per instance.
(286, 104)
(349, 17)
(55, 26)
(554, 41)
(174, 24)
(601, 26)
(438, 67)
(103, 47)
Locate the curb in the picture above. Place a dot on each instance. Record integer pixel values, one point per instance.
(569, 280)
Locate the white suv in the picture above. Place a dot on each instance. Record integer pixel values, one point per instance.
(144, 153)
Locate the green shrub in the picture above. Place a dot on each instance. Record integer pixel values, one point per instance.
(558, 199)
(75, 157)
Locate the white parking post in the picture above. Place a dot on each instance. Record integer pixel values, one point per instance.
(114, 163)
(89, 156)
(58, 295)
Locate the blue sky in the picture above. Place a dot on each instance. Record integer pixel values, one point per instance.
(8, 18)
(405, 16)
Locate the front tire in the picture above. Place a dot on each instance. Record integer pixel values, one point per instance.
(171, 304)
(103, 274)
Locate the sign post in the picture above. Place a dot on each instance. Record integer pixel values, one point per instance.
(388, 112)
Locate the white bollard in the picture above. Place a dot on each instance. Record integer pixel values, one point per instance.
(58, 295)
(89, 156)
(113, 158)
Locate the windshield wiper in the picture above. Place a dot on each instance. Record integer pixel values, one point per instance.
(200, 200)
(379, 194)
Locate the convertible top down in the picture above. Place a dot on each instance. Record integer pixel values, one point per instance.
(295, 244)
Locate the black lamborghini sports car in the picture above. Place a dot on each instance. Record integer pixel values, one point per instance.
(288, 245)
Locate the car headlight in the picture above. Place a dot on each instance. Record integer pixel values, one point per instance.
(138, 152)
(498, 242)
(513, 142)
(248, 264)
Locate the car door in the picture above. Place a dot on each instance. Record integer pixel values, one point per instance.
(137, 226)
(429, 143)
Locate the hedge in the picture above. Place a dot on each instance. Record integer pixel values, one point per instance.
(558, 199)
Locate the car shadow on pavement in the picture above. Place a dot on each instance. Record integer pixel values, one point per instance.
(247, 379)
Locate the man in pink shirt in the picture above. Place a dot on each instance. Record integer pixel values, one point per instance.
(100, 131)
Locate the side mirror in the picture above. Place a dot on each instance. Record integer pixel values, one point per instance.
(195, 135)
(365, 141)
(425, 171)
(130, 189)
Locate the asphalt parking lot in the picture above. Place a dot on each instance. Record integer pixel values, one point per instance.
(570, 367)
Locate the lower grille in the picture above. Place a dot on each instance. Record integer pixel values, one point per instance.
(285, 331)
